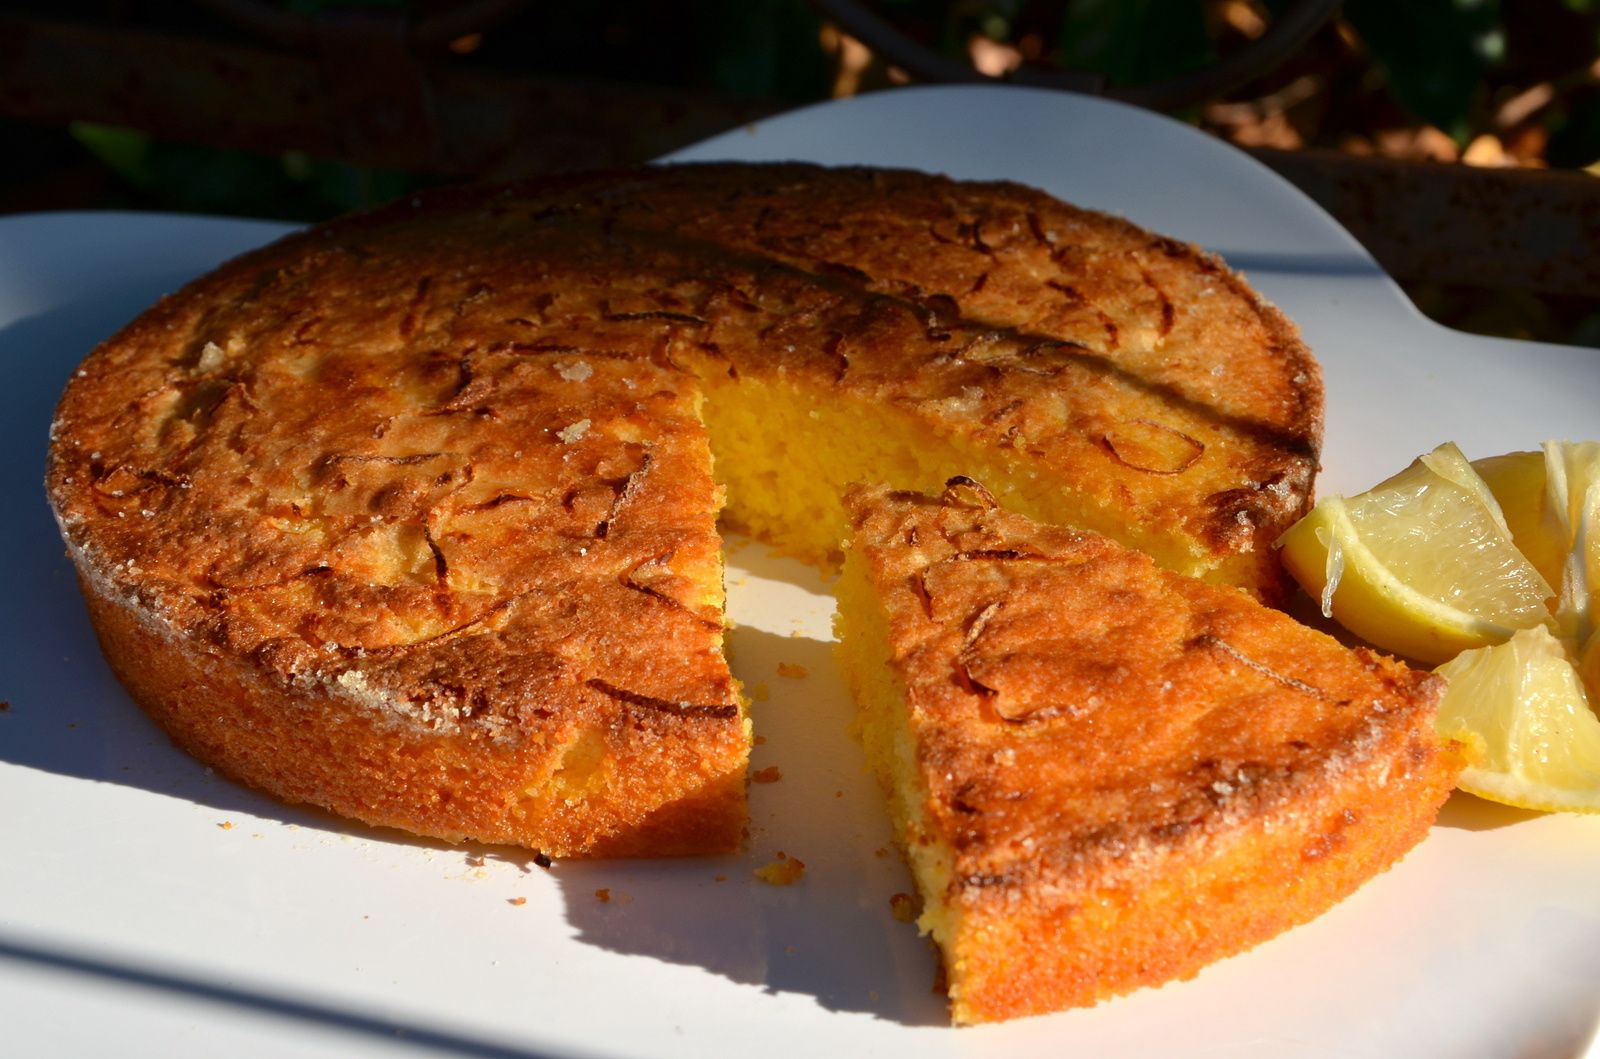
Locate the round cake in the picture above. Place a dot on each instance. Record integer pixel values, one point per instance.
(413, 516)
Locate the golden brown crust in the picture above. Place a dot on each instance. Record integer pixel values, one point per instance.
(1134, 773)
(1231, 381)
(349, 478)
(441, 467)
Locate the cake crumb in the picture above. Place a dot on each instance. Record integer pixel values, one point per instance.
(790, 950)
(572, 433)
(770, 774)
(603, 895)
(226, 825)
(719, 878)
(838, 794)
(517, 901)
(760, 692)
(880, 853)
(759, 740)
(5, 707)
(793, 670)
(904, 907)
(784, 871)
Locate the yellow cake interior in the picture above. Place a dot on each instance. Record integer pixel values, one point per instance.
(785, 453)
(862, 650)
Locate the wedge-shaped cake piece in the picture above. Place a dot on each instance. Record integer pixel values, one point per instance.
(1106, 775)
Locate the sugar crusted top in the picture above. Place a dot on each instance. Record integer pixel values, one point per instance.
(1079, 711)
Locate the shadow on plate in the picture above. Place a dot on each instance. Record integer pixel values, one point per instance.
(1255, 264)
(1468, 812)
(830, 935)
(305, 1011)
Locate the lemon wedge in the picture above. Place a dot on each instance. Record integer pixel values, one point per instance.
(1521, 712)
(1423, 564)
(1572, 499)
(1517, 481)
(1551, 500)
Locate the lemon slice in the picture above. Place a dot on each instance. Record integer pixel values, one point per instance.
(1517, 481)
(1551, 501)
(1572, 499)
(1521, 712)
(1422, 564)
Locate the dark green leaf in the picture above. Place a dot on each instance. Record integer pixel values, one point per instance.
(1134, 42)
(768, 49)
(124, 151)
(1575, 133)
(1433, 52)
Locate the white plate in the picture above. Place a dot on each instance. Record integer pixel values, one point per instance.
(135, 921)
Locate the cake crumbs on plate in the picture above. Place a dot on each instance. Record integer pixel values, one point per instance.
(603, 895)
(784, 871)
(760, 692)
(770, 774)
(904, 907)
(793, 670)
(517, 901)
(226, 825)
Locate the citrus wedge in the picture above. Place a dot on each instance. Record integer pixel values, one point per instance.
(1572, 503)
(1551, 501)
(1422, 564)
(1531, 737)
(1517, 482)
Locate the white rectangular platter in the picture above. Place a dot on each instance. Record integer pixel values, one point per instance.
(150, 908)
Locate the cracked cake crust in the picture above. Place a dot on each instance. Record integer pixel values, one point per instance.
(411, 515)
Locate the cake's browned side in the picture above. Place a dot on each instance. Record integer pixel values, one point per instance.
(673, 793)
(1133, 773)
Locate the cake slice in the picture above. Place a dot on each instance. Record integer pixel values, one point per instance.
(1106, 775)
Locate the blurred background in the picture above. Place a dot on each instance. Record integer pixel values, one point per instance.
(1458, 139)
